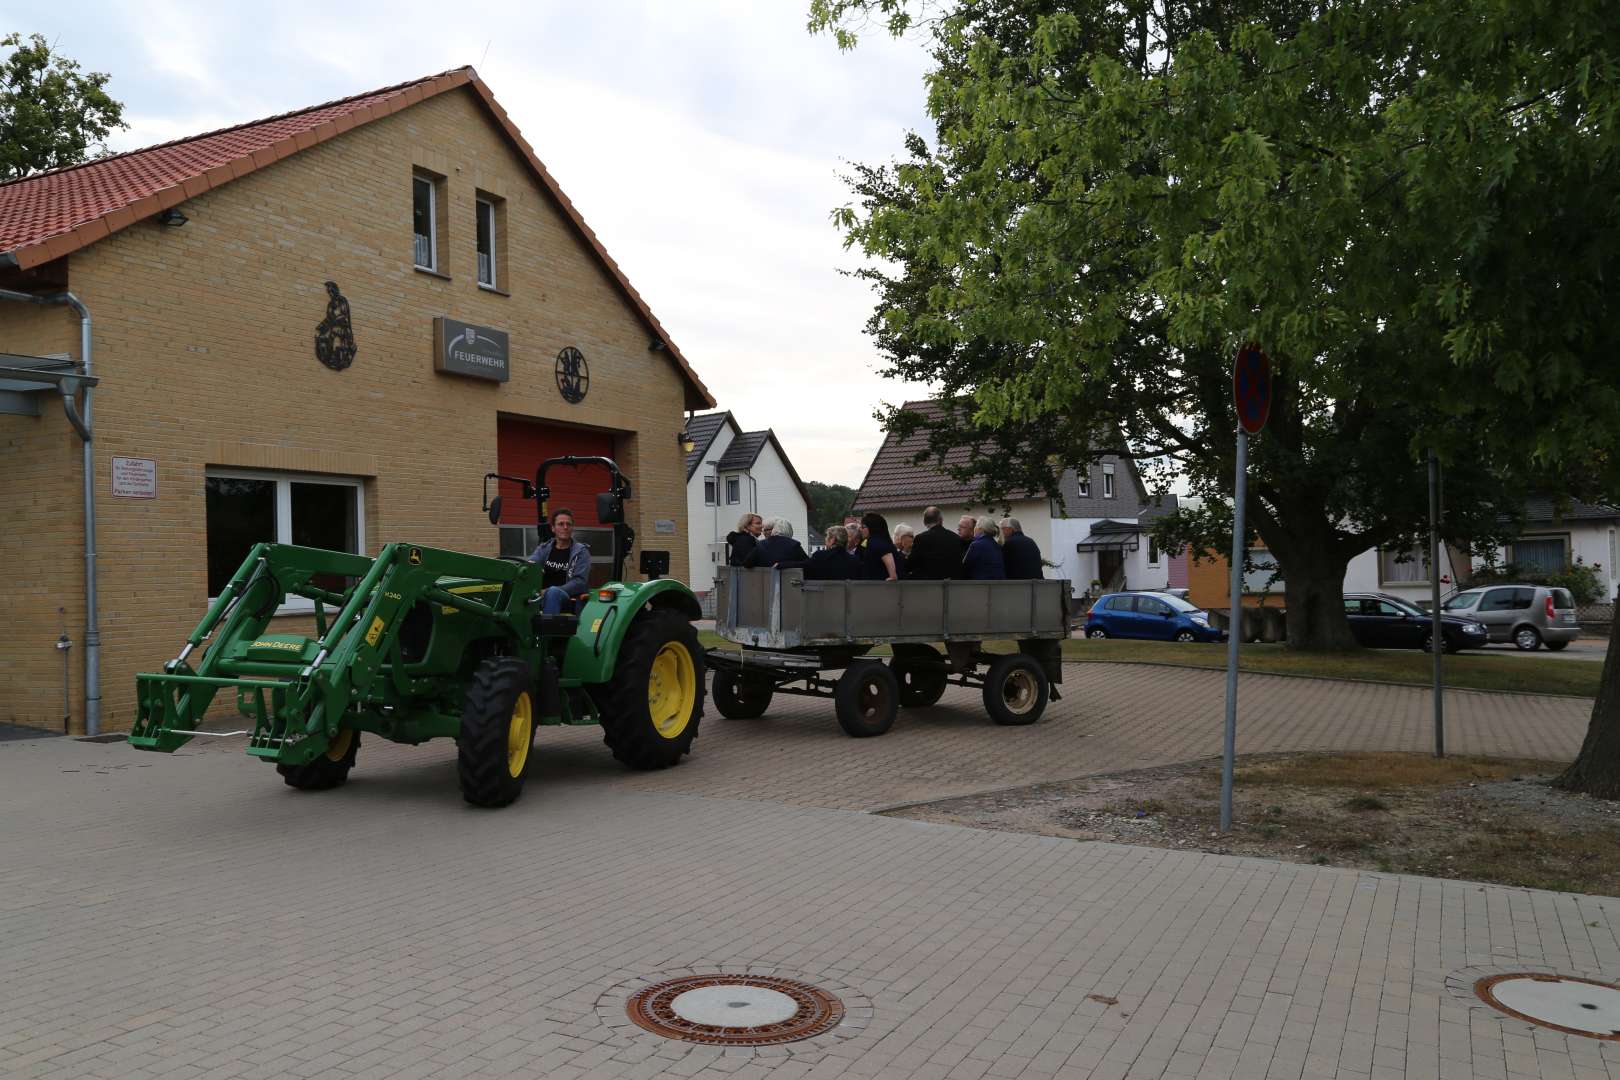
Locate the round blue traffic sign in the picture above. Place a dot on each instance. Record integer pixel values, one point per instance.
(1251, 388)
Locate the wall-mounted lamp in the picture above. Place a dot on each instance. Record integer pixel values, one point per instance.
(655, 346)
(688, 444)
(172, 217)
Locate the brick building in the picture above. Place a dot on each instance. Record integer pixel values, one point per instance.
(320, 328)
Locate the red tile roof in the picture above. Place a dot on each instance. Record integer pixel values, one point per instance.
(49, 215)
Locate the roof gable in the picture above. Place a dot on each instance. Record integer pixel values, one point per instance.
(703, 429)
(52, 214)
(893, 480)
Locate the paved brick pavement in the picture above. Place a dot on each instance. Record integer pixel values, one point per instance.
(188, 916)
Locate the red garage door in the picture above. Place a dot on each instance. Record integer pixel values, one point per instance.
(521, 445)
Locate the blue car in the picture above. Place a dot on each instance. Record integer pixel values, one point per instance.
(1149, 615)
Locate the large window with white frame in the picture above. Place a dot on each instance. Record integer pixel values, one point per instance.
(1403, 566)
(247, 507)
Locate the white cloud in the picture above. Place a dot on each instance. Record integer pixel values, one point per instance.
(702, 141)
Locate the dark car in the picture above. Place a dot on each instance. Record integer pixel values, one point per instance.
(1380, 621)
(1149, 615)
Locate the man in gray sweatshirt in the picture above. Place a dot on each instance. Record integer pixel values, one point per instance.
(567, 563)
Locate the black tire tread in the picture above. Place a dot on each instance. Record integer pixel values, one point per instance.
(627, 726)
(485, 718)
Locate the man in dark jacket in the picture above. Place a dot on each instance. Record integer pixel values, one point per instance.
(936, 553)
(1021, 555)
(983, 561)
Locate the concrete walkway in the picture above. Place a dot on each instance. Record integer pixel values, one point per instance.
(188, 916)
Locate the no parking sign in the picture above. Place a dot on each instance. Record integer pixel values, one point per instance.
(1251, 388)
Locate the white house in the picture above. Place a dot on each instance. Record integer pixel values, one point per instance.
(730, 472)
(1095, 531)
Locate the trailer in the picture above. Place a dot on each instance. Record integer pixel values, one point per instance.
(794, 633)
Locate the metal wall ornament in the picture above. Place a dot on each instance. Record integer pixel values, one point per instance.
(334, 337)
(573, 375)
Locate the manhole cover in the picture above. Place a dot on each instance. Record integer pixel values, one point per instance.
(1562, 1002)
(735, 1010)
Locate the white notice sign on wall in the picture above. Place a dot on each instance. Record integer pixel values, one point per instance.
(134, 478)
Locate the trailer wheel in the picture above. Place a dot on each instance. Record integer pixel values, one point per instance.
(651, 708)
(920, 685)
(1015, 689)
(739, 697)
(497, 732)
(328, 770)
(867, 697)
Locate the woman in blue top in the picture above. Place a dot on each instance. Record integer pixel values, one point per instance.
(878, 554)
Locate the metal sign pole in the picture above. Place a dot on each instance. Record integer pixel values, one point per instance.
(1437, 642)
(1234, 630)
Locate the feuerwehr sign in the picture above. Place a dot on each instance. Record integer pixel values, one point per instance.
(479, 352)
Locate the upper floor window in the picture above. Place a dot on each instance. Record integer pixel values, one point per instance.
(490, 244)
(708, 491)
(1108, 481)
(425, 221)
(733, 490)
(1082, 484)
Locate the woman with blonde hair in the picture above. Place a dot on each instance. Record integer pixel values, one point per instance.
(740, 544)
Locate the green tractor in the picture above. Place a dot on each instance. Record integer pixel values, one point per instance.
(421, 643)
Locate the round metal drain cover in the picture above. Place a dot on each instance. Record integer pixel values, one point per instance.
(1562, 1002)
(735, 1010)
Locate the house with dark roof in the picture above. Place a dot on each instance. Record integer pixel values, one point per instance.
(731, 472)
(320, 328)
(1096, 530)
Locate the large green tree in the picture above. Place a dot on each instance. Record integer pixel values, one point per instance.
(51, 113)
(1119, 193)
(1413, 205)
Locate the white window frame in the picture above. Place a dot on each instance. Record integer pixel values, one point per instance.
(1108, 481)
(1082, 486)
(733, 491)
(711, 491)
(1386, 571)
(284, 481)
(433, 222)
(486, 206)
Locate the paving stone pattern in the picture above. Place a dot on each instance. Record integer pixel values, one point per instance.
(188, 916)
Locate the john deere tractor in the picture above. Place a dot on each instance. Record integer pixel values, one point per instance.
(421, 643)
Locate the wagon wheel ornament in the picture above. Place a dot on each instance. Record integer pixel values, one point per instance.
(573, 375)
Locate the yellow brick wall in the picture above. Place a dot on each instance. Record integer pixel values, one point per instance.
(204, 337)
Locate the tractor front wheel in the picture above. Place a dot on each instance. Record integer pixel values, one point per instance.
(497, 732)
(651, 708)
(328, 770)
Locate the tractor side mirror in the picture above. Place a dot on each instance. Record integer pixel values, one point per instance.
(609, 508)
(655, 564)
(495, 510)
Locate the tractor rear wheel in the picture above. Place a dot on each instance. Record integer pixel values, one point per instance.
(497, 732)
(866, 697)
(738, 697)
(651, 707)
(328, 770)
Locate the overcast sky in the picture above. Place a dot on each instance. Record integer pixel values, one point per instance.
(702, 140)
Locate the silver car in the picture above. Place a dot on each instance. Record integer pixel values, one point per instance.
(1529, 616)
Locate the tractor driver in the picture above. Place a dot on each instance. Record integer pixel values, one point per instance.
(567, 563)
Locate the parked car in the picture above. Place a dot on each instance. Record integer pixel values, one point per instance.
(1149, 615)
(1530, 616)
(1381, 621)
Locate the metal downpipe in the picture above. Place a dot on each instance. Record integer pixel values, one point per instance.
(92, 629)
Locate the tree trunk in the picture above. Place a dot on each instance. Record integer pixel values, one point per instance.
(1313, 591)
(1596, 771)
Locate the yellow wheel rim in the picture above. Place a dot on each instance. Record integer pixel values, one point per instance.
(672, 690)
(519, 732)
(340, 745)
